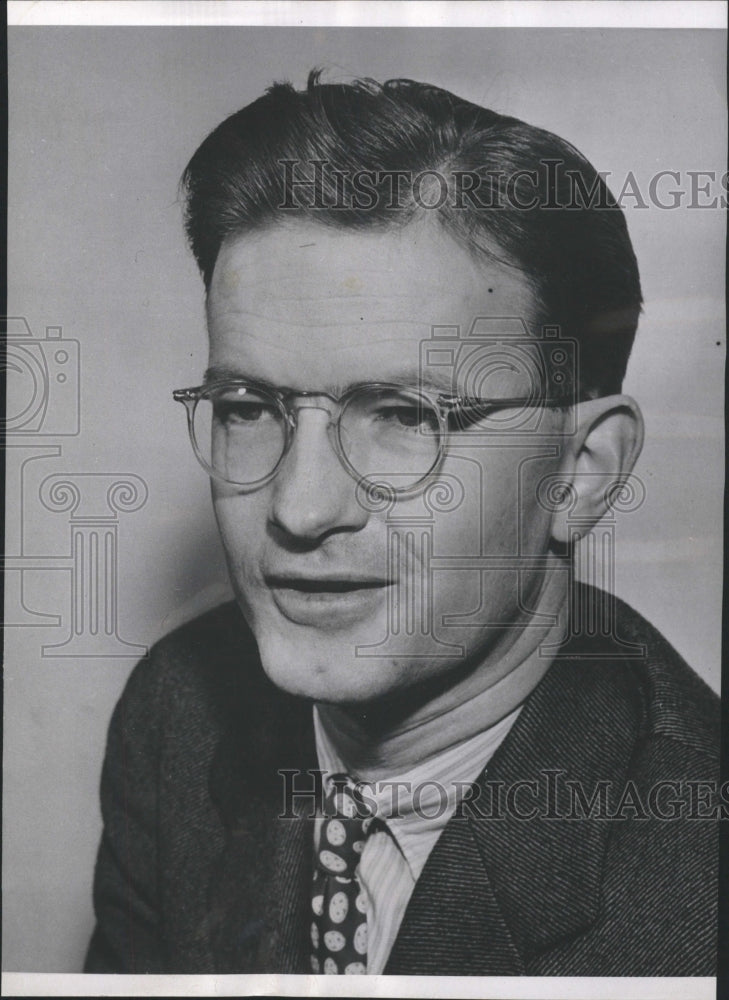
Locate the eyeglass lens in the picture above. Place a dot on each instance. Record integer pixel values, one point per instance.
(384, 433)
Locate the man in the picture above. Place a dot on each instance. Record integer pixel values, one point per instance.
(413, 745)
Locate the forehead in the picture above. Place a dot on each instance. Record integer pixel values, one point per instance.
(312, 306)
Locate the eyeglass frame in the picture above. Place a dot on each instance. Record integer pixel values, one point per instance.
(443, 405)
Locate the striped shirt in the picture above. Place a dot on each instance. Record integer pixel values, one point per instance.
(413, 808)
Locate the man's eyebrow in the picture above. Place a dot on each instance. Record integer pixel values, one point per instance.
(411, 377)
(221, 373)
(227, 373)
(420, 378)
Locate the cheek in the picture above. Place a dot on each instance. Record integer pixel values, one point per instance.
(536, 517)
(500, 513)
(242, 525)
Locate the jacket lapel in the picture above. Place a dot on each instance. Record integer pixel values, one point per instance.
(453, 924)
(286, 945)
(498, 888)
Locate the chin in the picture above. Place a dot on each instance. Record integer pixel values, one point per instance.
(324, 669)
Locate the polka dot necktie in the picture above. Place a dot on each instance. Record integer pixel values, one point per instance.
(338, 902)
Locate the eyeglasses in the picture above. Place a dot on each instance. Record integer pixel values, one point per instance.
(241, 430)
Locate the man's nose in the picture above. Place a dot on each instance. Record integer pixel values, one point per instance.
(313, 495)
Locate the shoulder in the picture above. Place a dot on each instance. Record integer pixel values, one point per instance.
(662, 849)
(200, 677)
(633, 733)
(613, 652)
(678, 705)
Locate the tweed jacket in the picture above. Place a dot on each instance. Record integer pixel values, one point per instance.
(197, 872)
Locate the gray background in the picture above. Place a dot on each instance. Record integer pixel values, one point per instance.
(102, 122)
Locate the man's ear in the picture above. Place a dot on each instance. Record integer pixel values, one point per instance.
(600, 453)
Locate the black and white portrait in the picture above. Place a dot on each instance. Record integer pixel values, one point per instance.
(364, 466)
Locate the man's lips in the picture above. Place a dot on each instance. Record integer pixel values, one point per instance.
(326, 601)
(333, 584)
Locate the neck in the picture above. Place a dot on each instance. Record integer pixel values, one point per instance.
(379, 741)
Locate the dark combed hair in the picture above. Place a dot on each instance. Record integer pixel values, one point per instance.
(575, 252)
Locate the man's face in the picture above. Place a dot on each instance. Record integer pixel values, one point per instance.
(321, 576)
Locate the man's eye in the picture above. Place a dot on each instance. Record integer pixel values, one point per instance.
(407, 417)
(248, 412)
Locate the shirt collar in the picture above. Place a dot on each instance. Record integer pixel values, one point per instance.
(416, 804)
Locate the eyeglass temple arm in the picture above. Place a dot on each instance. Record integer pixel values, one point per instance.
(482, 403)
